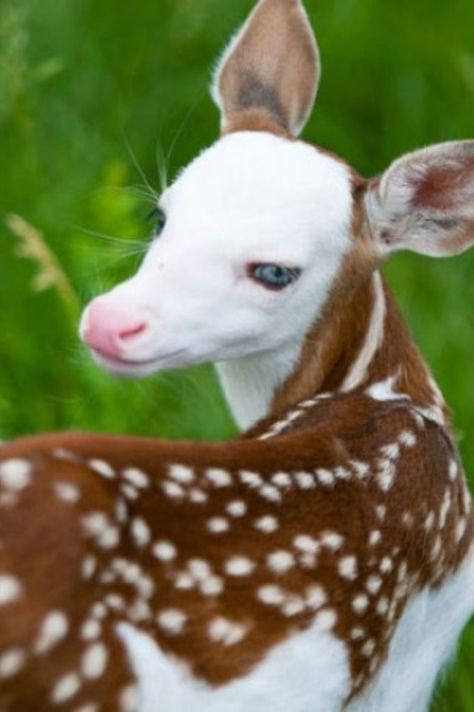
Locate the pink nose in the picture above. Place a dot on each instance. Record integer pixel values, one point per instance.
(110, 330)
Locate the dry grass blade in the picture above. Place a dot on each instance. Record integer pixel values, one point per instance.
(50, 273)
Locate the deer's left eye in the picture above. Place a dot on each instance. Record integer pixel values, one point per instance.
(159, 217)
(274, 277)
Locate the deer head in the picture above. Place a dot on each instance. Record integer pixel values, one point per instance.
(259, 230)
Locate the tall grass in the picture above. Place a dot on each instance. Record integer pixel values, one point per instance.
(101, 103)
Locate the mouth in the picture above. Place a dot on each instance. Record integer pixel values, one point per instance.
(127, 367)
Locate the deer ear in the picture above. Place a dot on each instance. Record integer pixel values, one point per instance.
(271, 69)
(425, 202)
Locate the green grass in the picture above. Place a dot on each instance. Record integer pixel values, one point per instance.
(85, 85)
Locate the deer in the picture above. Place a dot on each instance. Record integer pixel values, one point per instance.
(324, 559)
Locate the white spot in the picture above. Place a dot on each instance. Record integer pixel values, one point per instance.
(219, 477)
(341, 473)
(386, 565)
(347, 567)
(332, 540)
(225, 632)
(445, 507)
(326, 620)
(315, 597)
(88, 567)
(382, 606)
(293, 606)
(53, 629)
(460, 531)
(164, 551)
(272, 494)
(98, 611)
(173, 490)
(281, 479)
(381, 511)
(102, 468)
(91, 629)
(15, 474)
(252, 479)
(384, 390)
(184, 582)
(360, 603)
(67, 687)
(239, 566)
(94, 661)
(121, 511)
(280, 561)
(181, 473)
(362, 469)
(172, 621)
(129, 492)
(453, 470)
(271, 595)
(136, 477)
(429, 521)
(10, 589)
(267, 524)
(199, 569)
(211, 586)
(141, 532)
(386, 474)
(368, 648)
(306, 544)
(109, 539)
(218, 525)
(95, 523)
(114, 602)
(197, 496)
(390, 451)
(236, 508)
(129, 700)
(407, 438)
(67, 492)
(305, 480)
(375, 537)
(374, 584)
(325, 477)
(11, 663)
(357, 633)
(408, 519)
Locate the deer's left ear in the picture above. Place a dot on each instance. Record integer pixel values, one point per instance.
(270, 71)
(425, 202)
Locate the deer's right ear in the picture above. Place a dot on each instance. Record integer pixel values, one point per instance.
(270, 70)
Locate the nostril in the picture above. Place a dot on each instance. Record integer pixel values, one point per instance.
(132, 332)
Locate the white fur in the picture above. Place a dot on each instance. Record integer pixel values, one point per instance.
(373, 339)
(422, 645)
(307, 673)
(252, 197)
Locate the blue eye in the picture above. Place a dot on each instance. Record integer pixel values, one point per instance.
(159, 217)
(274, 277)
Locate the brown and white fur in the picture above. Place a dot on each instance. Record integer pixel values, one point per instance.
(323, 561)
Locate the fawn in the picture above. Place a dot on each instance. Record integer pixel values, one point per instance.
(324, 560)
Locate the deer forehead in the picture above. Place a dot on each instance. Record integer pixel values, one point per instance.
(262, 195)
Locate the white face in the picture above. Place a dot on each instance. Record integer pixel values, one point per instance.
(201, 295)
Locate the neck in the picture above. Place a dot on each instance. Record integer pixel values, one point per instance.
(360, 343)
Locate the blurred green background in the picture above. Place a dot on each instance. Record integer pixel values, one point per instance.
(97, 99)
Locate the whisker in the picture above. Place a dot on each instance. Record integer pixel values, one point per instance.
(152, 192)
